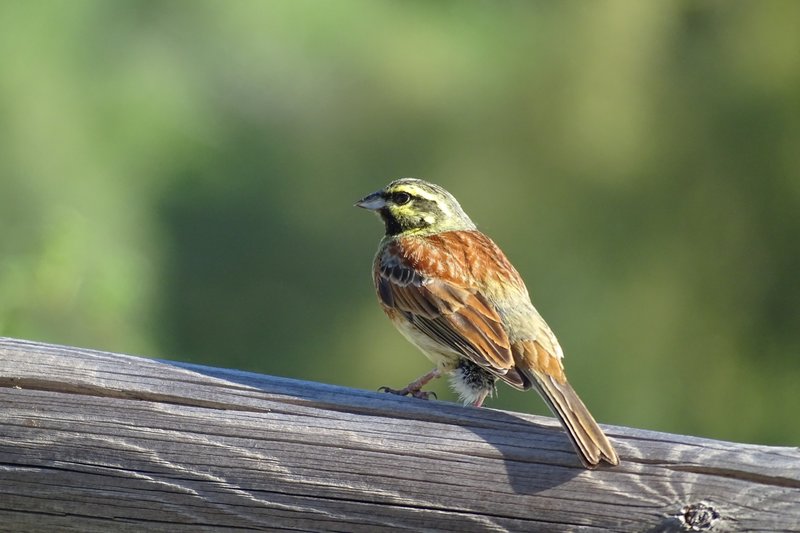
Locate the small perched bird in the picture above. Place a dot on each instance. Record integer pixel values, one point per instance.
(452, 292)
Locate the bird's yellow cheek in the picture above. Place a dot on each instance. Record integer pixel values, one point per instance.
(404, 211)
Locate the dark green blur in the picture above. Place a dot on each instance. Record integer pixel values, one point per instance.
(177, 180)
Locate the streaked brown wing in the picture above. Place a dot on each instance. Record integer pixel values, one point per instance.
(447, 309)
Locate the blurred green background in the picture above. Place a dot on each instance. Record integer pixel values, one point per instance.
(177, 181)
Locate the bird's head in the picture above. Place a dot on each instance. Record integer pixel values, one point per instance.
(410, 206)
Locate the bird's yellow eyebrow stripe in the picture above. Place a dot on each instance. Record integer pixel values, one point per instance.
(416, 191)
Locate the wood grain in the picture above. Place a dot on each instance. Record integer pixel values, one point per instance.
(93, 441)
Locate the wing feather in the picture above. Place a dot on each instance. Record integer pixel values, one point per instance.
(455, 315)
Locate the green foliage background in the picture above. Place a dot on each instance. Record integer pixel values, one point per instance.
(177, 180)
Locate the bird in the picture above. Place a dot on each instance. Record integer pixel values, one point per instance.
(451, 292)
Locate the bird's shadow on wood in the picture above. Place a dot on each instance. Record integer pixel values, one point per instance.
(536, 458)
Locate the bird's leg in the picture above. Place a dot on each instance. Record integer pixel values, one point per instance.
(483, 395)
(414, 388)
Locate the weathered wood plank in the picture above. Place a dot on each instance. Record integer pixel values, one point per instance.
(93, 441)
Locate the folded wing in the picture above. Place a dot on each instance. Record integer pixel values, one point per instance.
(456, 315)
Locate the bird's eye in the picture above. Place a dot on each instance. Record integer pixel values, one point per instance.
(401, 198)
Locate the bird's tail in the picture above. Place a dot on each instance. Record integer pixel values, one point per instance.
(589, 440)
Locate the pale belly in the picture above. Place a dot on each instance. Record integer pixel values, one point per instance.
(444, 357)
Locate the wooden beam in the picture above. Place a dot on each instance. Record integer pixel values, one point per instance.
(94, 441)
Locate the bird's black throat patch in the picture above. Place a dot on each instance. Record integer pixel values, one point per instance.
(393, 226)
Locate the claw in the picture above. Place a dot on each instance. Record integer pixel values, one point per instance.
(420, 394)
(415, 388)
(424, 395)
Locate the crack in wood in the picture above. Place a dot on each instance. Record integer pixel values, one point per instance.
(741, 475)
(99, 391)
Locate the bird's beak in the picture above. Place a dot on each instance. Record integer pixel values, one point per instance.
(373, 202)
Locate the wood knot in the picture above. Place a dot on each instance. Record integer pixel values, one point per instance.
(698, 517)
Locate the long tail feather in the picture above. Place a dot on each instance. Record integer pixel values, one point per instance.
(589, 440)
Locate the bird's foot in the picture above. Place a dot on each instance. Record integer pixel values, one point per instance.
(406, 391)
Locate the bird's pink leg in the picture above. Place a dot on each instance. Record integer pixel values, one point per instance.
(479, 401)
(414, 387)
